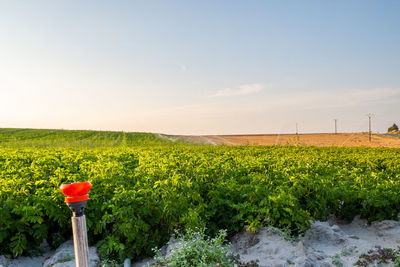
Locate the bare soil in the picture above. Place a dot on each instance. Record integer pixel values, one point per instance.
(314, 139)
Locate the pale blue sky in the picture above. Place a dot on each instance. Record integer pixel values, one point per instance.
(200, 67)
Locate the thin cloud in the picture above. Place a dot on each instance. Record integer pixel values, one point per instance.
(242, 90)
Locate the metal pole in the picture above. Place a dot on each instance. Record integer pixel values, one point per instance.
(76, 198)
(369, 129)
(80, 241)
(369, 126)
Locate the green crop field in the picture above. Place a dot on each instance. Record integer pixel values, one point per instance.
(145, 187)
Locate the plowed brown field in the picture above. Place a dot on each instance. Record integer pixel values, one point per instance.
(317, 139)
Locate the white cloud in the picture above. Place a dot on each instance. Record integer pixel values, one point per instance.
(246, 89)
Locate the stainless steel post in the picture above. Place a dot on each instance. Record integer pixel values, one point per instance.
(76, 198)
(80, 241)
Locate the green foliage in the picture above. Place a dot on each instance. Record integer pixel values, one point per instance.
(289, 261)
(394, 127)
(144, 188)
(346, 252)
(68, 257)
(110, 263)
(397, 260)
(10, 137)
(336, 260)
(285, 233)
(195, 249)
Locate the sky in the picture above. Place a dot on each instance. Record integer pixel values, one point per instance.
(200, 67)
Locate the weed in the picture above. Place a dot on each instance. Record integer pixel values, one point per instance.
(68, 257)
(289, 261)
(380, 256)
(109, 263)
(196, 249)
(285, 233)
(336, 260)
(347, 252)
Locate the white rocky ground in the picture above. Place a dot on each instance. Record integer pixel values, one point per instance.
(63, 256)
(330, 243)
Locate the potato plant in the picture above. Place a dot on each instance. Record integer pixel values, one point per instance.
(144, 190)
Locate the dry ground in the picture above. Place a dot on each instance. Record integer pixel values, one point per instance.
(322, 139)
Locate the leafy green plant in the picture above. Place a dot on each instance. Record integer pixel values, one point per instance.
(285, 233)
(336, 260)
(109, 263)
(196, 249)
(397, 261)
(347, 252)
(289, 261)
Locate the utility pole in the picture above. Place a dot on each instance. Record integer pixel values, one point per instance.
(369, 115)
(297, 129)
(335, 126)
